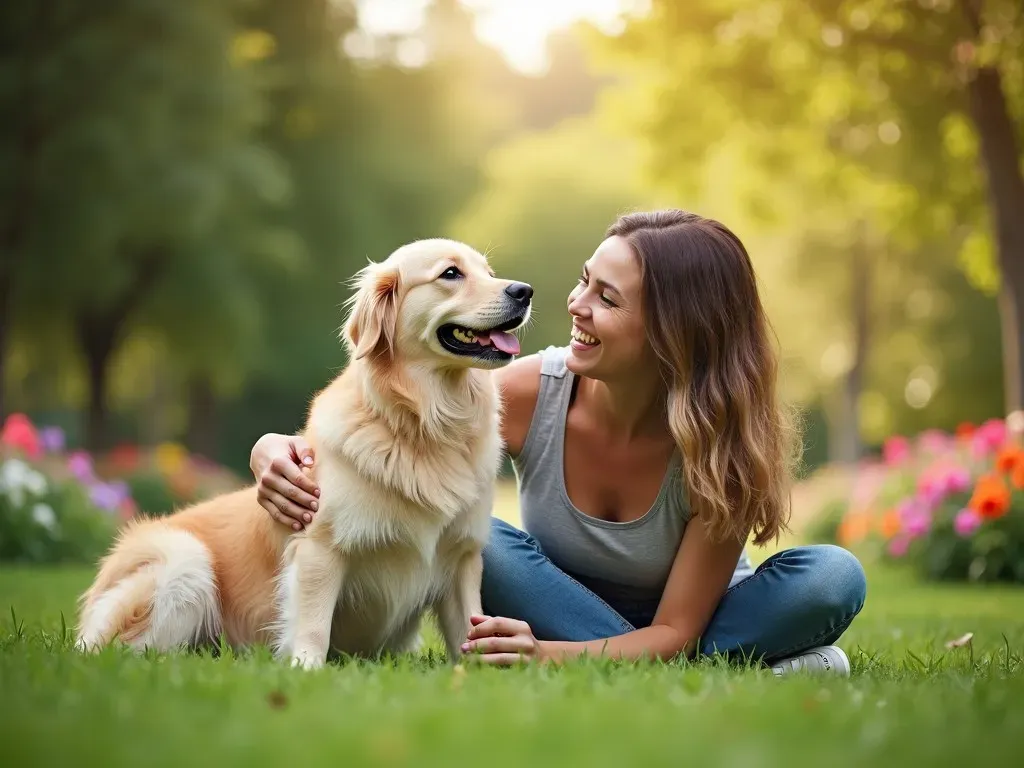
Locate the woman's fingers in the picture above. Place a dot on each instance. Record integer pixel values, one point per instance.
(298, 486)
(279, 516)
(499, 644)
(302, 451)
(499, 625)
(289, 508)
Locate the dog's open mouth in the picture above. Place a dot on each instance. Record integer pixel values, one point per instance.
(489, 344)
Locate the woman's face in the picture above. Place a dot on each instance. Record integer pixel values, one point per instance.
(608, 336)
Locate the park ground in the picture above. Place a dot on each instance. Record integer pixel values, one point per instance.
(911, 700)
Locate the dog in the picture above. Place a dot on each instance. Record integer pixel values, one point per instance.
(407, 448)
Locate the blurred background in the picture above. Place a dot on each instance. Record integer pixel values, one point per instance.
(186, 186)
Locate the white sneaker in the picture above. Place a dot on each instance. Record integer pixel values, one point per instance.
(825, 658)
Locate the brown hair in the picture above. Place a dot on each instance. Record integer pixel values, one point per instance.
(704, 320)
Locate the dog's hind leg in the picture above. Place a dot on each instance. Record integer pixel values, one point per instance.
(153, 592)
(308, 593)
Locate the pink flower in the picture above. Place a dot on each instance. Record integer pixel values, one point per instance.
(917, 525)
(896, 450)
(935, 441)
(80, 465)
(958, 480)
(966, 522)
(898, 546)
(989, 437)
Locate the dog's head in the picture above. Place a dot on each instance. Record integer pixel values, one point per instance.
(436, 302)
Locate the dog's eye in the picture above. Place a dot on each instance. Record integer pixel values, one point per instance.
(452, 273)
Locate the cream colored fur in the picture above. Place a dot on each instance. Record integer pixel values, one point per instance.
(407, 450)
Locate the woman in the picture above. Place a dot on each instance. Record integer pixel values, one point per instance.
(647, 452)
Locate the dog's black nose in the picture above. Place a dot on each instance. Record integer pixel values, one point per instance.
(521, 292)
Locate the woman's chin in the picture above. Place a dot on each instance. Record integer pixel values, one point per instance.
(580, 360)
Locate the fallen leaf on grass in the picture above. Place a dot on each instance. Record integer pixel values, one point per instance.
(277, 700)
(961, 641)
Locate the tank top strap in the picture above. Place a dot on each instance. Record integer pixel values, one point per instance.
(540, 449)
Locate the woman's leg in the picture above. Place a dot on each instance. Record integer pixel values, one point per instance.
(797, 599)
(522, 583)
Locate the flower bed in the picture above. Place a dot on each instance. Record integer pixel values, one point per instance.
(950, 504)
(59, 506)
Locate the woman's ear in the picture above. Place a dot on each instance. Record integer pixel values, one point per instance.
(373, 323)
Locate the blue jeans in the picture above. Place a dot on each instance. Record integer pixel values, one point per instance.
(795, 600)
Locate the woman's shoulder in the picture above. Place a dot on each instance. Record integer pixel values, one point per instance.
(520, 382)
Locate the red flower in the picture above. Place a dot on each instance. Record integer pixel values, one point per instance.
(19, 433)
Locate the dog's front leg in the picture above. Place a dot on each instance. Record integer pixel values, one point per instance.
(460, 600)
(311, 585)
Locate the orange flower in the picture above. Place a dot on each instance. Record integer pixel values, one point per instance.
(964, 430)
(1009, 458)
(854, 528)
(1017, 476)
(991, 497)
(890, 524)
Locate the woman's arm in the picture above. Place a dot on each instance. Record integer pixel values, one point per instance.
(283, 489)
(700, 576)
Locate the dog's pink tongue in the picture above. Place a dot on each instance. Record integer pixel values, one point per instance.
(506, 342)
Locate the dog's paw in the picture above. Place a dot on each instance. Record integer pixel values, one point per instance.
(307, 660)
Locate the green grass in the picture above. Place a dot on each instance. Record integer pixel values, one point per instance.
(909, 702)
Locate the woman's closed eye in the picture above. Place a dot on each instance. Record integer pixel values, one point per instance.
(584, 281)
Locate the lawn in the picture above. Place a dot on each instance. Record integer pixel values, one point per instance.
(910, 701)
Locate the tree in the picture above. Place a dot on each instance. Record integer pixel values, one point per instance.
(126, 186)
(899, 91)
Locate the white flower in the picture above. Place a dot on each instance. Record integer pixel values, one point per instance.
(17, 477)
(43, 514)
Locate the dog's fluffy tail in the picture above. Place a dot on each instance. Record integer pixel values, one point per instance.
(156, 589)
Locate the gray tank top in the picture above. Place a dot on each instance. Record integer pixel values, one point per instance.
(632, 559)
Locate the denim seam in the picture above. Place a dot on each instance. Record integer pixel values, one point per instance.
(532, 543)
(626, 626)
(765, 567)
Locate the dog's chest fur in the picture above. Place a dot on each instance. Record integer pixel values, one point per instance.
(402, 507)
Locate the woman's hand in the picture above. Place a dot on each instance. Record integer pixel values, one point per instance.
(279, 464)
(500, 641)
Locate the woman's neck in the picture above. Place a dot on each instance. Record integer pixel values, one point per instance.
(627, 408)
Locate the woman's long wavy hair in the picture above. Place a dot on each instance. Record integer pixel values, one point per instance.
(705, 322)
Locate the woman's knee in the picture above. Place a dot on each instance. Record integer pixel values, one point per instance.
(835, 581)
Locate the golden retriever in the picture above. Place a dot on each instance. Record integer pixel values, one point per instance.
(407, 452)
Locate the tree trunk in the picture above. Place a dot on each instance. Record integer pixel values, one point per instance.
(99, 331)
(6, 290)
(98, 338)
(1001, 160)
(860, 275)
(202, 434)
(849, 446)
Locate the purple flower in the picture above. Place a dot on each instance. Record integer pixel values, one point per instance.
(52, 439)
(966, 522)
(80, 465)
(108, 496)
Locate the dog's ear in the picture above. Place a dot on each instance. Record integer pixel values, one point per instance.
(373, 323)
